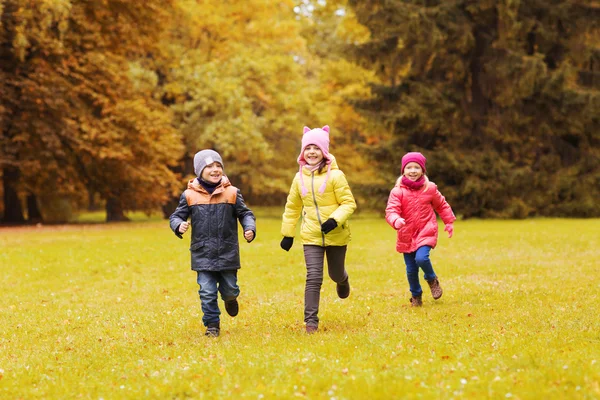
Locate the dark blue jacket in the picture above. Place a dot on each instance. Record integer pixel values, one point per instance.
(214, 218)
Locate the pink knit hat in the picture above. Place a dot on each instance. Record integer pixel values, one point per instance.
(414, 157)
(320, 138)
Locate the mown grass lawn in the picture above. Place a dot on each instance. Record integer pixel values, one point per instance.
(111, 311)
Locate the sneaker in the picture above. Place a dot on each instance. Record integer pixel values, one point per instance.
(213, 330)
(232, 307)
(310, 329)
(343, 289)
(416, 301)
(436, 289)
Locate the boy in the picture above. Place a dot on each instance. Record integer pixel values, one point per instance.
(214, 206)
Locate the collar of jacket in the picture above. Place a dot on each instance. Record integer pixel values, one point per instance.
(196, 186)
(209, 186)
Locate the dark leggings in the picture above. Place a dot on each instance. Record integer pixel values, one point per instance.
(314, 257)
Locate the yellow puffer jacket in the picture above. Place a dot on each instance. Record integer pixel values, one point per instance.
(315, 208)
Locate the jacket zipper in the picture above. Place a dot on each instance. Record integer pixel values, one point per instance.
(312, 184)
(218, 249)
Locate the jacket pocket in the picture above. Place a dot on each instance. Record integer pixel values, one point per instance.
(404, 234)
(196, 246)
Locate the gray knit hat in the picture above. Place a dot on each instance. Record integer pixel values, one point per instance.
(204, 158)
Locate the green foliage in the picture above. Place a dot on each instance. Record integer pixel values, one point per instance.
(499, 95)
(249, 74)
(112, 311)
(329, 28)
(231, 79)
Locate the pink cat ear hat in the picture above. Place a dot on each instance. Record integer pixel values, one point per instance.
(320, 138)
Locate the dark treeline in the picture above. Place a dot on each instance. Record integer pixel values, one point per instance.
(503, 97)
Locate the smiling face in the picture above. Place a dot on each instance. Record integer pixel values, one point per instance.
(313, 155)
(212, 172)
(413, 171)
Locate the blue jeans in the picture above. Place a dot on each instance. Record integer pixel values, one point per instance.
(210, 283)
(414, 261)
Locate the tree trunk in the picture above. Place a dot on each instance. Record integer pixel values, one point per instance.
(114, 211)
(13, 211)
(33, 211)
(183, 167)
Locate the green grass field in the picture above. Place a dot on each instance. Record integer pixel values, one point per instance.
(111, 311)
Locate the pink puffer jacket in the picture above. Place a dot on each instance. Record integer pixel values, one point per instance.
(417, 208)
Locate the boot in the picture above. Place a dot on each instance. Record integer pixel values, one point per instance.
(416, 301)
(436, 289)
(213, 330)
(310, 329)
(232, 307)
(343, 289)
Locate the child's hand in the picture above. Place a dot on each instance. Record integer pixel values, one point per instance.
(399, 223)
(286, 243)
(184, 227)
(328, 225)
(249, 235)
(450, 229)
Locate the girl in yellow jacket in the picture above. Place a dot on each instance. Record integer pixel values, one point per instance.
(320, 194)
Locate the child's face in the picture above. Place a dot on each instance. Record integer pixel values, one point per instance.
(212, 172)
(413, 171)
(313, 155)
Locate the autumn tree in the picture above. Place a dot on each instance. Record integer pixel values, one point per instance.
(74, 119)
(502, 96)
(243, 78)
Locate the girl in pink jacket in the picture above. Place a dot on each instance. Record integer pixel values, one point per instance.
(410, 210)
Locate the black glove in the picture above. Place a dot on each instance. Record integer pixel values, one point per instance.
(328, 226)
(286, 243)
